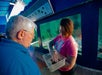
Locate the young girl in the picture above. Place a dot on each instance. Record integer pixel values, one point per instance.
(66, 45)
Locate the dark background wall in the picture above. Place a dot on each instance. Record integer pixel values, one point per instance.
(89, 11)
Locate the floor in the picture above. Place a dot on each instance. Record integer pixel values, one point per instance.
(80, 70)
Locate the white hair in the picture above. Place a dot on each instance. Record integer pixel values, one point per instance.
(16, 23)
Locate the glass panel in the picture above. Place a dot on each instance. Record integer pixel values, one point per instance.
(50, 30)
(77, 31)
(100, 35)
(35, 41)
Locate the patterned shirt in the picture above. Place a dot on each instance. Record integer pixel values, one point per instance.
(66, 46)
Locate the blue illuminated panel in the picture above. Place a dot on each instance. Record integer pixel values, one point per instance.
(40, 9)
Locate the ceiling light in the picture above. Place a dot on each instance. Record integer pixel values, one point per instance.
(18, 7)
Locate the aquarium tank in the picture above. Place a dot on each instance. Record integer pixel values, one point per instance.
(100, 35)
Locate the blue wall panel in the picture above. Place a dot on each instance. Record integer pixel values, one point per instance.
(2, 23)
(2, 28)
(59, 5)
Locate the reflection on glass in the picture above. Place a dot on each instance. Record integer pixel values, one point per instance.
(50, 30)
(100, 35)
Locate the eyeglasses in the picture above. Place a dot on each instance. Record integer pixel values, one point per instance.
(32, 33)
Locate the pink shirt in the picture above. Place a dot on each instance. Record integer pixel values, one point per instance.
(66, 46)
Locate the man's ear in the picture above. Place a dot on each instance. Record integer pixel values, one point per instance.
(20, 34)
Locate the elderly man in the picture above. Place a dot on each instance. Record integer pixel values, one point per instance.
(14, 57)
